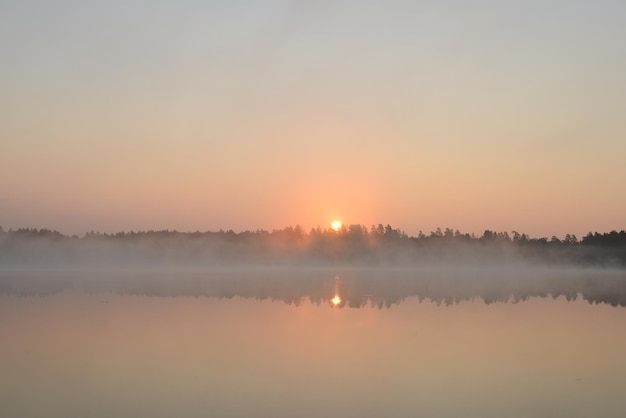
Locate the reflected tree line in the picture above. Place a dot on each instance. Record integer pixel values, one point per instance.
(377, 244)
(381, 288)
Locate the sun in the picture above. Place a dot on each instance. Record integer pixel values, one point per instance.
(336, 225)
(336, 300)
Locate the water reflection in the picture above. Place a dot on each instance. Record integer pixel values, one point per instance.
(346, 288)
(336, 301)
(68, 355)
(213, 343)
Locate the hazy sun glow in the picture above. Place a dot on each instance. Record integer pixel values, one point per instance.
(336, 300)
(336, 225)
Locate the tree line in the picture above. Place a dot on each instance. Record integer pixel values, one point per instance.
(355, 233)
(378, 244)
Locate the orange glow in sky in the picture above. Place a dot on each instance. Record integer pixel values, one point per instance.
(418, 136)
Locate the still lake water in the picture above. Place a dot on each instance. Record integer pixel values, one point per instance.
(74, 353)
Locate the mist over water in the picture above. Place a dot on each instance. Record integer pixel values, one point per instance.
(379, 267)
(161, 325)
(108, 354)
(357, 287)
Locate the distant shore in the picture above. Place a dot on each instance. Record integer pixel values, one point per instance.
(353, 245)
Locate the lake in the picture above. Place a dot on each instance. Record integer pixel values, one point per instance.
(254, 347)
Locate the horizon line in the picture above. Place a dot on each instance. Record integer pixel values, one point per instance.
(439, 231)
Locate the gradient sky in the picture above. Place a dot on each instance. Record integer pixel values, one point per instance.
(196, 115)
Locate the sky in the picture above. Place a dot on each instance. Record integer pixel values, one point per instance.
(206, 115)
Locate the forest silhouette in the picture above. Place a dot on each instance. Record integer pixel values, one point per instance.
(378, 266)
(351, 245)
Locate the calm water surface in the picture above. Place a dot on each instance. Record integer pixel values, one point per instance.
(72, 354)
